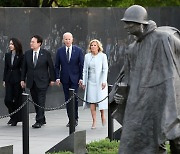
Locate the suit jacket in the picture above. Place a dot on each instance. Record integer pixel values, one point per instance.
(12, 73)
(72, 69)
(42, 73)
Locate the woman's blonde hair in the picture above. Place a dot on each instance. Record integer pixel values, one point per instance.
(98, 43)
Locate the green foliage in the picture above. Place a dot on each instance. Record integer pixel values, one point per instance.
(99, 147)
(125, 3)
(87, 3)
(64, 152)
(103, 147)
(157, 2)
(168, 148)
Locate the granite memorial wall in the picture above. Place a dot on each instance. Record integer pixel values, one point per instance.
(84, 23)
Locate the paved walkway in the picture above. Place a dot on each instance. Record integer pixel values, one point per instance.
(41, 140)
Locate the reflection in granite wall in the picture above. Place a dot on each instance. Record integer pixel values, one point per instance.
(84, 23)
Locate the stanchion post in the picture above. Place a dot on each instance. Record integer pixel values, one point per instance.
(71, 106)
(110, 119)
(25, 116)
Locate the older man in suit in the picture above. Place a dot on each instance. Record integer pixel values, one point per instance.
(70, 59)
(39, 70)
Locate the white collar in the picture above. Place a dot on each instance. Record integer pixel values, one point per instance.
(37, 51)
(70, 48)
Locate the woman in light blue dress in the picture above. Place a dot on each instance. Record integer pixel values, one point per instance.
(94, 82)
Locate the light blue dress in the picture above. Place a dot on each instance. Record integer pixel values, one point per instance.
(91, 84)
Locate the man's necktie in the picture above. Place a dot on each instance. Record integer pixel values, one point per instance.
(35, 59)
(67, 54)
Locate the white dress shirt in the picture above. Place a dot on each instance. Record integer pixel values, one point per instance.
(37, 53)
(70, 51)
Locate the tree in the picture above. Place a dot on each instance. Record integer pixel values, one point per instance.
(86, 3)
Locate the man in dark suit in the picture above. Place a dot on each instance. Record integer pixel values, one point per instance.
(70, 59)
(39, 70)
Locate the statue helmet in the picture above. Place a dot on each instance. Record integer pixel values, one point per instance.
(136, 13)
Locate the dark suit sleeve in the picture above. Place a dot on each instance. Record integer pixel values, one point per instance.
(81, 63)
(57, 65)
(21, 62)
(5, 67)
(24, 68)
(51, 67)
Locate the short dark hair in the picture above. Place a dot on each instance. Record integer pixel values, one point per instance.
(39, 39)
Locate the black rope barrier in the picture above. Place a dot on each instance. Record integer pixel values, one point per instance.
(14, 112)
(25, 107)
(53, 108)
(29, 100)
(90, 102)
(49, 109)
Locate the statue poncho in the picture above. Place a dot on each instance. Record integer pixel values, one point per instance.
(152, 71)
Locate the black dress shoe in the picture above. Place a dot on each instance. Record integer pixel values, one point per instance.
(37, 125)
(10, 122)
(76, 123)
(14, 123)
(67, 124)
(43, 123)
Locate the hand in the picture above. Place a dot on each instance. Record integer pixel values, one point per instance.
(80, 83)
(118, 98)
(4, 84)
(83, 87)
(58, 82)
(103, 85)
(51, 83)
(23, 84)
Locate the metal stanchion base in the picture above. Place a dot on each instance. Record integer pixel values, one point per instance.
(6, 149)
(75, 142)
(117, 134)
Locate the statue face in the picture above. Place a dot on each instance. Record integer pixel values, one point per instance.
(133, 28)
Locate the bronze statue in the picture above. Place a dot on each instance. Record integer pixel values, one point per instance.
(152, 72)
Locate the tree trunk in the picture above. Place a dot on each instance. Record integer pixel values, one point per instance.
(47, 3)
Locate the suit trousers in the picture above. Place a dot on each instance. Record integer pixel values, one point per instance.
(39, 97)
(66, 87)
(13, 99)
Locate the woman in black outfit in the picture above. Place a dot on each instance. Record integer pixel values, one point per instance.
(11, 80)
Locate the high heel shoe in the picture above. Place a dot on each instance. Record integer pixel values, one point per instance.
(14, 123)
(93, 127)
